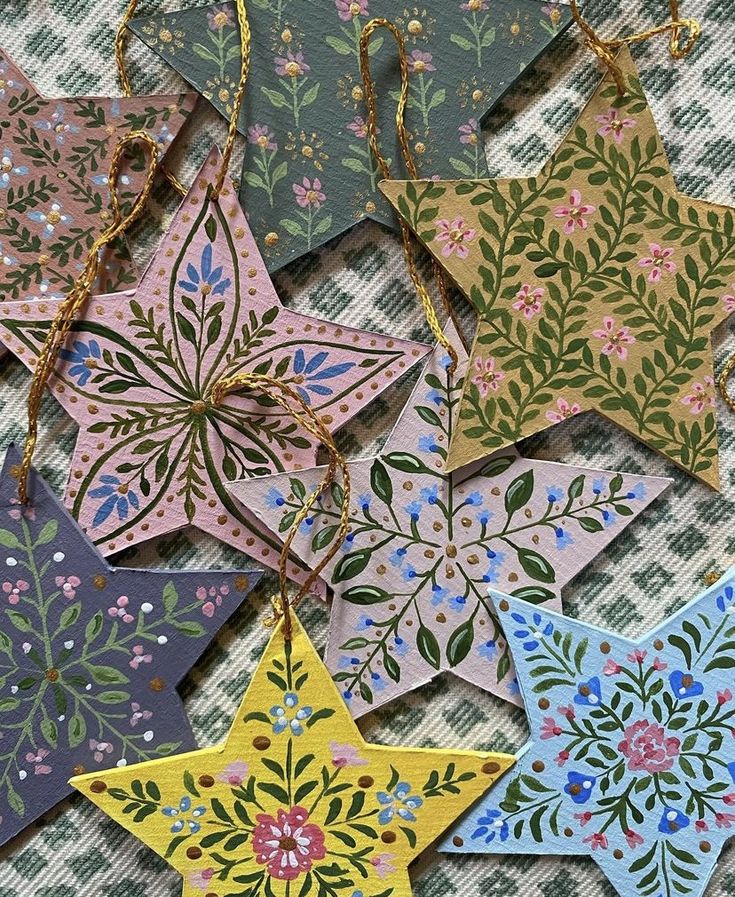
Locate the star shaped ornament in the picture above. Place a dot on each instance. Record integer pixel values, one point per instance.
(54, 197)
(631, 759)
(597, 286)
(295, 801)
(153, 452)
(410, 584)
(90, 655)
(308, 172)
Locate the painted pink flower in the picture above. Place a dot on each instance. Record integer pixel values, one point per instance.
(212, 598)
(659, 664)
(729, 799)
(345, 755)
(21, 511)
(40, 768)
(138, 714)
(633, 838)
(287, 843)
(99, 749)
(383, 864)
(219, 17)
(724, 696)
(553, 11)
(567, 711)
(487, 377)
(262, 136)
(637, 656)
(139, 656)
(550, 728)
(701, 826)
(611, 668)
(701, 396)
(612, 125)
(14, 590)
(565, 410)
(728, 302)
(420, 62)
(68, 585)
(234, 774)
(575, 213)
(309, 193)
(201, 879)
(349, 9)
(599, 839)
(455, 235)
(617, 339)
(358, 126)
(724, 820)
(647, 747)
(562, 757)
(584, 817)
(120, 609)
(470, 133)
(291, 65)
(658, 261)
(528, 301)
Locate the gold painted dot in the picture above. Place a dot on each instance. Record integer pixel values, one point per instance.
(538, 766)
(388, 837)
(420, 148)
(370, 207)
(157, 684)
(271, 238)
(98, 787)
(658, 645)
(490, 768)
(366, 782)
(415, 27)
(99, 581)
(504, 606)
(206, 781)
(618, 854)
(194, 853)
(261, 743)
(605, 647)
(705, 846)
(357, 93)
(544, 703)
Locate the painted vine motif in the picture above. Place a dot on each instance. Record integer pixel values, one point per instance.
(154, 451)
(308, 173)
(89, 656)
(423, 545)
(295, 803)
(54, 160)
(631, 758)
(597, 286)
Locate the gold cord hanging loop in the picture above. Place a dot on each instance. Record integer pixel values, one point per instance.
(77, 297)
(372, 128)
(724, 379)
(606, 50)
(293, 404)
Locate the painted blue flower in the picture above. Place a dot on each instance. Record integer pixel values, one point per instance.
(348, 543)
(731, 770)
(51, 218)
(409, 572)
(684, 685)
(428, 444)
(118, 497)
(307, 526)
(589, 692)
(490, 826)
(364, 500)
(400, 803)
(438, 594)
(724, 600)
(430, 494)
(345, 662)
(532, 631)
(554, 493)
(434, 396)
(496, 558)
(484, 516)
(284, 716)
(579, 786)
(274, 499)
(57, 124)
(513, 687)
(7, 168)
(638, 491)
(206, 276)
(488, 650)
(413, 509)
(377, 683)
(311, 373)
(365, 622)
(445, 362)
(672, 821)
(609, 518)
(400, 646)
(102, 180)
(563, 538)
(491, 574)
(398, 556)
(474, 498)
(458, 603)
(82, 357)
(599, 485)
(185, 816)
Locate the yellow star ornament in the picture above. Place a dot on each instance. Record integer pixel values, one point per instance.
(295, 803)
(597, 286)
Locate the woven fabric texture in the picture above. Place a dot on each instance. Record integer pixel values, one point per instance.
(66, 46)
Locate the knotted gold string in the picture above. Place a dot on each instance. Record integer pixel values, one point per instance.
(724, 379)
(287, 398)
(79, 293)
(606, 50)
(372, 128)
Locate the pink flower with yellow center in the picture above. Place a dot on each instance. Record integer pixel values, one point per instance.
(564, 410)
(575, 213)
(262, 136)
(701, 396)
(420, 62)
(617, 339)
(350, 9)
(528, 301)
(612, 125)
(455, 235)
(291, 65)
(470, 133)
(287, 844)
(309, 193)
(487, 377)
(659, 261)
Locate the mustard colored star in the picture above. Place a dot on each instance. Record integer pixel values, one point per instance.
(295, 801)
(597, 285)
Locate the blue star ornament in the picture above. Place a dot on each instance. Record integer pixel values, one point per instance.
(632, 753)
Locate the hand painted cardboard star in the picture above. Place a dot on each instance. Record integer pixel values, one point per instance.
(153, 453)
(410, 585)
(54, 197)
(597, 286)
(295, 801)
(632, 756)
(90, 655)
(308, 172)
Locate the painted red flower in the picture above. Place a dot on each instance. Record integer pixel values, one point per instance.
(647, 747)
(287, 844)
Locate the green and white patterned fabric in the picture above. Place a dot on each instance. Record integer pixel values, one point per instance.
(66, 46)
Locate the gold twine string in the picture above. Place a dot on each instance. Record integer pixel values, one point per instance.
(606, 50)
(75, 300)
(121, 40)
(724, 379)
(287, 398)
(372, 128)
